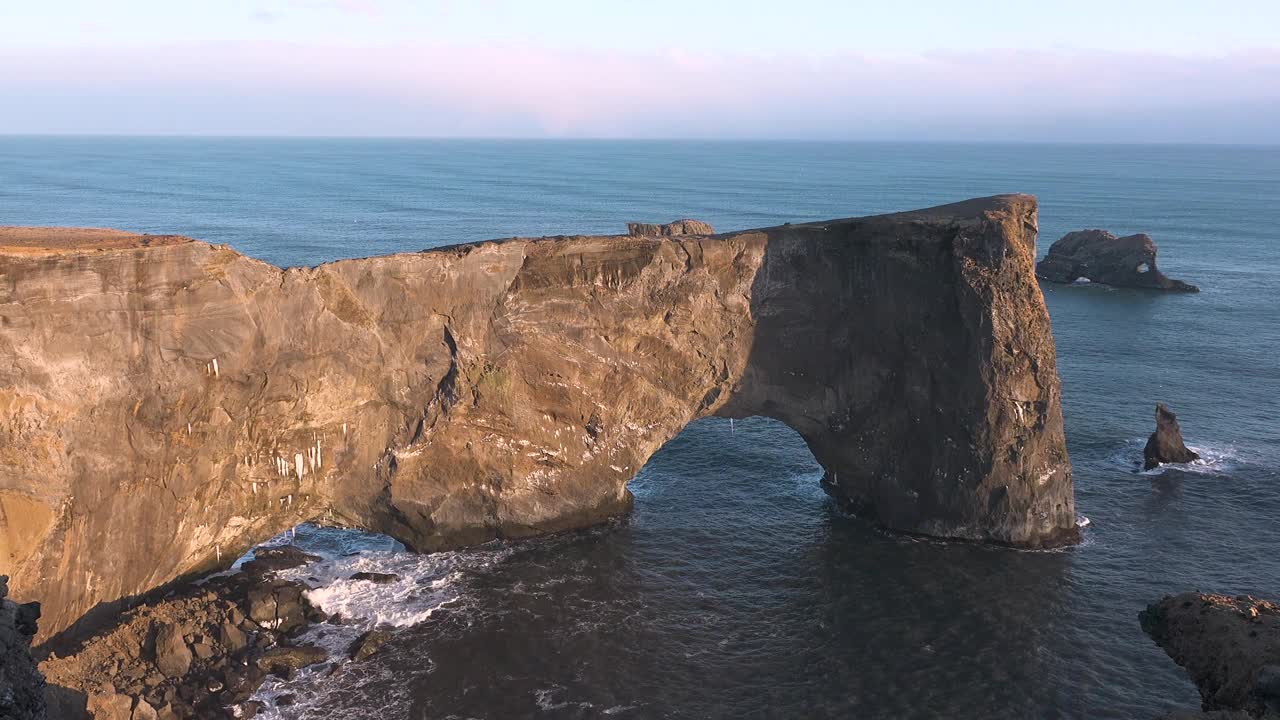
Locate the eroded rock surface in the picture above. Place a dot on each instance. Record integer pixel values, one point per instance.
(1100, 257)
(1230, 646)
(21, 684)
(1165, 444)
(165, 404)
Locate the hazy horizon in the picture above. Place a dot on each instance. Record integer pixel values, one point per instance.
(993, 71)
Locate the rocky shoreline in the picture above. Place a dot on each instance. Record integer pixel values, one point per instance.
(1230, 647)
(201, 652)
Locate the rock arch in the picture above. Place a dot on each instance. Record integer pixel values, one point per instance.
(165, 403)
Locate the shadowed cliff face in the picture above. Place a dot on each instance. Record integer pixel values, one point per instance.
(165, 404)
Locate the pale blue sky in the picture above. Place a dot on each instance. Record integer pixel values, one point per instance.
(981, 69)
(1174, 26)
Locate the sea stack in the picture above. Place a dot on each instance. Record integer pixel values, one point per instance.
(1165, 444)
(165, 404)
(1100, 257)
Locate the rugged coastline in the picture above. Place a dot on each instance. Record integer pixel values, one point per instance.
(165, 393)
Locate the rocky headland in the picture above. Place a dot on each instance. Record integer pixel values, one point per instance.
(1230, 646)
(165, 404)
(1100, 257)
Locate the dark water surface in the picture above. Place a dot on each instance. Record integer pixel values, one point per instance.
(736, 590)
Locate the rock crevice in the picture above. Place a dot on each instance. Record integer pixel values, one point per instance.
(166, 404)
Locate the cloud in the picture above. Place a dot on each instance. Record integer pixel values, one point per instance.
(509, 90)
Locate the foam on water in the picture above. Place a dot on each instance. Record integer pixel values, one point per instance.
(1214, 460)
(425, 583)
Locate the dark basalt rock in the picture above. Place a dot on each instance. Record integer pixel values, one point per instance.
(368, 644)
(271, 559)
(1100, 257)
(1165, 444)
(376, 578)
(1230, 646)
(509, 388)
(282, 660)
(22, 687)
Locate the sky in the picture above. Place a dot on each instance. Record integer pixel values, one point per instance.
(984, 70)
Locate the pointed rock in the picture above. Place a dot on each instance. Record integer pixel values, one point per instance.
(1165, 444)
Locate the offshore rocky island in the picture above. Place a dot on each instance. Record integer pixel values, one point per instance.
(166, 404)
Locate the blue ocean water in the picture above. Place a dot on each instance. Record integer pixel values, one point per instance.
(735, 589)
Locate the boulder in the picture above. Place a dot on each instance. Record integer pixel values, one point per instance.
(376, 578)
(1165, 444)
(287, 659)
(111, 706)
(1100, 257)
(271, 559)
(277, 605)
(142, 710)
(173, 657)
(368, 644)
(1230, 646)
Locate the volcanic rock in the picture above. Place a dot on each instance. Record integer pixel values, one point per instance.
(286, 659)
(22, 686)
(1230, 646)
(173, 657)
(368, 644)
(1165, 444)
(376, 578)
(281, 557)
(1100, 257)
(671, 229)
(179, 397)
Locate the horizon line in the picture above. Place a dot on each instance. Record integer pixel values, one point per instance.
(606, 138)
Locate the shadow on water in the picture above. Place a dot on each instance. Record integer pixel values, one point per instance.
(736, 589)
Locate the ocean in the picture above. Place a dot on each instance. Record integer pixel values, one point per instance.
(736, 589)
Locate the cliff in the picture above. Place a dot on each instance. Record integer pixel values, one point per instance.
(165, 403)
(1229, 646)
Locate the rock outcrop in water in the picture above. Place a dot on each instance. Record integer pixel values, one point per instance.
(1229, 646)
(165, 404)
(1165, 444)
(21, 684)
(1100, 257)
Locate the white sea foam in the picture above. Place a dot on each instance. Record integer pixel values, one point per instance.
(1214, 459)
(425, 583)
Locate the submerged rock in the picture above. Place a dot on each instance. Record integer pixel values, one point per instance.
(376, 578)
(1230, 646)
(1165, 444)
(1097, 256)
(509, 388)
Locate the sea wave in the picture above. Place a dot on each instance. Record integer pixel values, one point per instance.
(1214, 460)
(423, 584)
